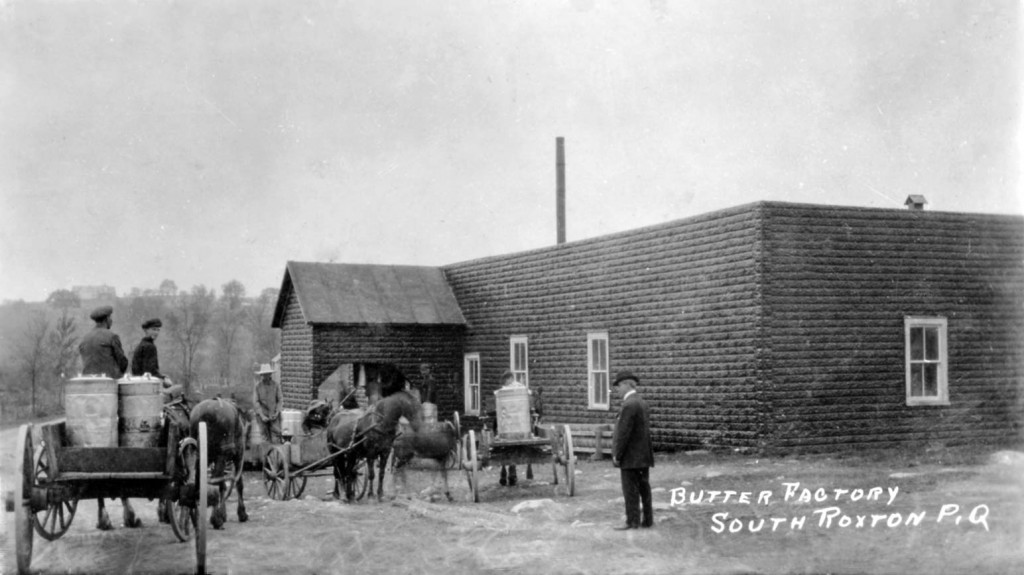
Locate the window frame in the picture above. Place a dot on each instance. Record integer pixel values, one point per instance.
(521, 373)
(469, 360)
(592, 401)
(942, 362)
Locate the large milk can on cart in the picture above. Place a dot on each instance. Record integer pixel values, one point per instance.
(79, 458)
(515, 442)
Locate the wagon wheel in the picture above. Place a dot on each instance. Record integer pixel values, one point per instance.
(275, 474)
(454, 460)
(53, 521)
(183, 513)
(359, 479)
(296, 484)
(472, 466)
(202, 513)
(569, 461)
(22, 499)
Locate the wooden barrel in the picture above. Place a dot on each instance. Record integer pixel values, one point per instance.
(90, 404)
(139, 410)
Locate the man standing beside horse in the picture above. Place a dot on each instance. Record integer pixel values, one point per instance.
(267, 402)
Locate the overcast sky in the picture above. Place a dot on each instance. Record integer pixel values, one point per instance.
(208, 141)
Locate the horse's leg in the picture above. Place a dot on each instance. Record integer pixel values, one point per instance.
(220, 511)
(239, 462)
(102, 520)
(130, 520)
(383, 462)
(444, 476)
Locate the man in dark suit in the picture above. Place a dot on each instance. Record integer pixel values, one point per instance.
(632, 452)
(101, 349)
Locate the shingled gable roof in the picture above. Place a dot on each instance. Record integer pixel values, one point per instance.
(360, 294)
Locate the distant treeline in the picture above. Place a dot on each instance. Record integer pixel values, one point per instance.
(208, 341)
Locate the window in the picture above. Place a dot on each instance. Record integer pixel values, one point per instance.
(518, 360)
(471, 367)
(597, 371)
(925, 342)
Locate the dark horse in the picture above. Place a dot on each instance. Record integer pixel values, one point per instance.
(226, 428)
(434, 441)
(355, 435)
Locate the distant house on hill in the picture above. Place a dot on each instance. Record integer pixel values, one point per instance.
(771, 326)
(89, 293)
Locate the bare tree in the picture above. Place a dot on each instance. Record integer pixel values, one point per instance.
(258, 318)
(230, 316)
(188, 322)
(32, 354)
(63, 340)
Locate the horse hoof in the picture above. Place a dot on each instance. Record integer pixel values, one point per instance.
(104, 526)
(243, 517)
(133, 524)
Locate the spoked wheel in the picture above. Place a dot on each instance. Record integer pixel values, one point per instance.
(274, 474)
(22, 500)
(472, 467)
(202, 513)
(184, 515)
(53, 521)
(296, 485)
(360, 481)
(569, 461)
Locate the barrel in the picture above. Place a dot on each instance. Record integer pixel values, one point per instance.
(513, 409)
(291, 422)
(90, 405)
(256, 433)
(139, 409)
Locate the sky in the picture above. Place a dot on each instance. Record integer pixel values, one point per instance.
(205, 142)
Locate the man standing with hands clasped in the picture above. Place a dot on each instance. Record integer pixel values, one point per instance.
(632, 452)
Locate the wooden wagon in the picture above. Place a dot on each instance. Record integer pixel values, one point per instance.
(53, 477)
(288, 465)
(488, 448)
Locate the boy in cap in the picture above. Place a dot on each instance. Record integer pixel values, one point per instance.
(632, 452)
(145, 359)
(101, 349)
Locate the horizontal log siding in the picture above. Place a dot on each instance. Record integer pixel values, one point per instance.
(679, 302)
(405, 346)
(841, 280)
(296, 355)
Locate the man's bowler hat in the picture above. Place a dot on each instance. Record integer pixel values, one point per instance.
(625, 376)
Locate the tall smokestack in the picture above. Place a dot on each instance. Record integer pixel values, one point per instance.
(560, 207)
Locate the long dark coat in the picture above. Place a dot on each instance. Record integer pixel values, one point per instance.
(632, 441)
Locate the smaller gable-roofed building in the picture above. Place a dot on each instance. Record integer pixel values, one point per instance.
(352, 317)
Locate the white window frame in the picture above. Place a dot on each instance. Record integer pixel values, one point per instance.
(940, 360)
(598, 372)
(471, 388)
(519, 363)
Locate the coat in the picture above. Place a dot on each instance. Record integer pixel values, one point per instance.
(631, 444)
(145, 359)
(102, 354)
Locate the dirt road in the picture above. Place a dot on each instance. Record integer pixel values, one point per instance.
(931, 512)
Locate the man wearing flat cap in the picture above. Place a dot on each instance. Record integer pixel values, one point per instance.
(145, 359)
(632, 452)
(101, 349)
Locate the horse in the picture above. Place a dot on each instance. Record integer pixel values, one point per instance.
(432, 441)
(355, 435)
(226, 430)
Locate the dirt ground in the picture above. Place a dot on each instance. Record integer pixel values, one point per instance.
(938, 511)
